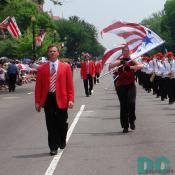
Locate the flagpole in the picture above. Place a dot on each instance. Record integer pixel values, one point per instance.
(33, 19)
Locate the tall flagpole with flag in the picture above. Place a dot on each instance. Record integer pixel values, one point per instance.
(138, 38)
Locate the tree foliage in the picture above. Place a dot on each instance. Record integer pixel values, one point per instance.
(78, 36)
(163, 23)
(23, 11)
(38, 1)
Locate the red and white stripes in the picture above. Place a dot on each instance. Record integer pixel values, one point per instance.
(138, 38)
(53, 82)
(10, 24)
(112, 54)
(132, 33)
(12, 27)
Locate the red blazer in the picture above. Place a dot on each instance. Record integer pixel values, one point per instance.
(84, 69)
(98, 67)
(64, 85)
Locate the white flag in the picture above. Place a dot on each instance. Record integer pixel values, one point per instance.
(138, 38)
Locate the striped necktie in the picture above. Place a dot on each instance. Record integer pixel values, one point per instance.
(87, 67)
(53, 79)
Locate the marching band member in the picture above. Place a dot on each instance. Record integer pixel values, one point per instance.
(171, 87)
(165, 78)
(87, 74)
(54, 90)
(146, 74)
(98, 68)
(126, 89)
(158, 69)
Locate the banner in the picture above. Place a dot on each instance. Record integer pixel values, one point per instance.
(138, 38)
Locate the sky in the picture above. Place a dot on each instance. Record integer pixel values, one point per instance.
(102, 13)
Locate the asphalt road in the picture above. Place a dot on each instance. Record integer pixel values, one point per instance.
(96, 146)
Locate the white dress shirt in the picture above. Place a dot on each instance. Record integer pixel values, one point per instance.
(167, 66)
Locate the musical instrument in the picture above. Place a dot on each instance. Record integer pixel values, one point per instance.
(152, 77)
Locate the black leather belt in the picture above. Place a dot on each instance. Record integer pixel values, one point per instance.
(52, 93)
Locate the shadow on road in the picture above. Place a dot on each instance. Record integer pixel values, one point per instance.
(32, 156)
(169, 109)
(110, 118)
(103, 134)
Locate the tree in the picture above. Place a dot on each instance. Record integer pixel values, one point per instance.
(163, 23)
(57, 2)
(80, 37)
(23, 12)
(38, 1)
(154, 22)
(168, 23)
(3, 3)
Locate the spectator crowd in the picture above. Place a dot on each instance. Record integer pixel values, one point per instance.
(16, 72)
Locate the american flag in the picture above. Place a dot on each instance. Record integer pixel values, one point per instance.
(40, 37)
(3, 24)
(138, 38)
(10, 24)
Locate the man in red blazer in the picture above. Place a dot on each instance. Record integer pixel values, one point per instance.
(98, 68)
(54, 91)
(87, 74)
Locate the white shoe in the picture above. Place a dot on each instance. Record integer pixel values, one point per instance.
(92, 91)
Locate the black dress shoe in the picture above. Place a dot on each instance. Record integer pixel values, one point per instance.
(162, 99)
(125, 130)
(171, 102)
(132, 126)
(63, 145)
(53, 152)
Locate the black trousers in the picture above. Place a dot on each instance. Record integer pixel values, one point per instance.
(12, 82)
(88, 84)
(171, 90)
(164, 88)
(96, 80)
(148, 84)
(56, 122)
(127, 98)
(156, 85)
(140, 76)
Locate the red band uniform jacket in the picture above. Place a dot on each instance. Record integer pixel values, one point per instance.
(98, 67)
(64, 85)
(84, 69)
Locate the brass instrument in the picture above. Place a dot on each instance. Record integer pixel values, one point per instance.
(171, 75)
(152, 77)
